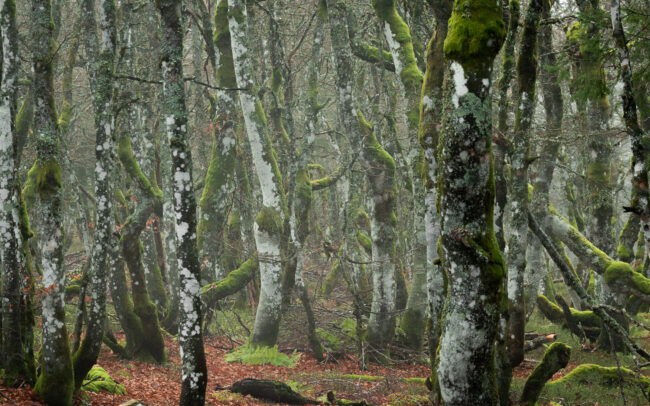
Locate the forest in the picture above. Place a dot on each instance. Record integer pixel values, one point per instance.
(335, 202)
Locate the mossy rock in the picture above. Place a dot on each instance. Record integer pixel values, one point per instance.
(98, 380)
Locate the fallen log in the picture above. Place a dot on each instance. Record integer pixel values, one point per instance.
(537, 341)
(276, 391)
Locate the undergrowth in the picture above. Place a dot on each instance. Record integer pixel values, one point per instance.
(258, 355)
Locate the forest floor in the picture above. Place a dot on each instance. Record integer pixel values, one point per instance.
(160, 384)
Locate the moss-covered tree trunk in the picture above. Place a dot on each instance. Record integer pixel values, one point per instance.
(640, 140)
(14, 343)
(219, 181)
(380, 170)
(428, 135)
(55, 383)
(268, 227)
(398, 36)
(190, 334)
(553, 108)
(470, 252)
(502, 130)
(520, 158)
(101, 70)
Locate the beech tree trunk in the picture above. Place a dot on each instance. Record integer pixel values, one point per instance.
(190, 334)
(470, 252)
(56, 383)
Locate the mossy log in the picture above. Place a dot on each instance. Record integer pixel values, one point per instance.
(270, 390)
(591, 374)
(555, 358)
(536, 342)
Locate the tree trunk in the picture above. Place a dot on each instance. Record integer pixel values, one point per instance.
(268, 227)
(102, 71)
(56, 383)
(14, 344)
(518, 238)
(471, 256)
(190, 336)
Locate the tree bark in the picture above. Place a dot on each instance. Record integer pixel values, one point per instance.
(470, 252)
(190, 334)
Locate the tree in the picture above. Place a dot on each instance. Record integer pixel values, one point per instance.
(470, 252)
(56, 381)
(190, 334)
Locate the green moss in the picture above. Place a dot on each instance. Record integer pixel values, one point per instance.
(365, 242)
(372, 147)
(554, 313)
(235, 280)
(555, 358)
(226, 69)
(48, 178)
(591, 374)
(591, 288)
(623, 253)
(25, 229)
(269, 221)
(98, 380)
(332, 278)
(621, 273)
(476, 32)
(130, 164)
(260, 355)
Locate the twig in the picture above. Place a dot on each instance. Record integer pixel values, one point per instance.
(7, 397)
(187, 79)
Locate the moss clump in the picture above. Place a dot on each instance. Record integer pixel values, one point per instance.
(234, 282)
(623, 253)
(48, 178)
(476, 32)
(554, 313)
(130, 164)
(590, 374)
(621, 273)
(261, 355)
(365, 242)
(98, 380)
(269, 221)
